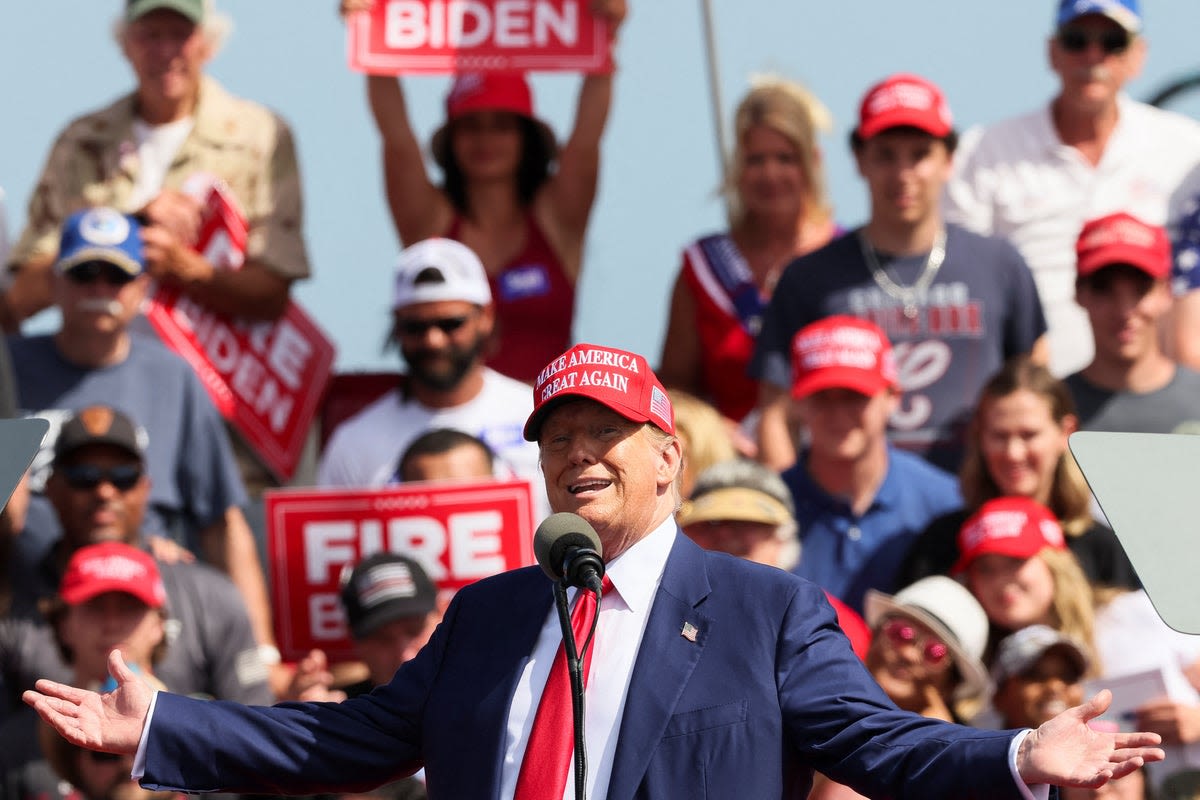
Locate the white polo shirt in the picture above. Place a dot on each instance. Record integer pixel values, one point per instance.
(1016, 179)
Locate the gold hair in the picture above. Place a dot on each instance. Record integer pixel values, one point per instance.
(701, 432)
(1074, 605)
(795, 113)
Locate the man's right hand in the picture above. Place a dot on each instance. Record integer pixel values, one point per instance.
(177, 212)
(109, 723)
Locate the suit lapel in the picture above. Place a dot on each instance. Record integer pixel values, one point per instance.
(664, 664)
(518, 610)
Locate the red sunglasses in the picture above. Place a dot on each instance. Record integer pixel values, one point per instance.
(900, 632)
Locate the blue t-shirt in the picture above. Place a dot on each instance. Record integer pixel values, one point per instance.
(981, 309)
(194, 478)
(845, 553)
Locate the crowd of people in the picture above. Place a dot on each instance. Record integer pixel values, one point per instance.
(880, 407)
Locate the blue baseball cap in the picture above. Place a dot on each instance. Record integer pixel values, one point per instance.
(101, 234)
(1126, 13)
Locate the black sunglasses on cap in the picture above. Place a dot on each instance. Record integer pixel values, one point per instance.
(1112, 41)
(88, 476)
(91, 271)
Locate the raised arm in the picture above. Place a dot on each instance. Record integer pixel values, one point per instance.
(419, 209)
(565, 204)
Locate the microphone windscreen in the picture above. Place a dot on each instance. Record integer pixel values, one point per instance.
(558, 532)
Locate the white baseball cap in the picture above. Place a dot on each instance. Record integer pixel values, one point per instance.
(946, 607)
(434, 270)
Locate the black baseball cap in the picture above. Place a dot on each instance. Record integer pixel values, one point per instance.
(385, 587)
(99, 425)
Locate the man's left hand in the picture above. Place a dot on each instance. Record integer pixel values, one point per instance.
(168, 257)
(1065, 751)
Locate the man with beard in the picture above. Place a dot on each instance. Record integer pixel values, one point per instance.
(442, 321)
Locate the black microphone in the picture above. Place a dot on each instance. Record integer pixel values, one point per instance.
(568, 549)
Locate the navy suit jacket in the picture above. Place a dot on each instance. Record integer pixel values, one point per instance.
(768, 691)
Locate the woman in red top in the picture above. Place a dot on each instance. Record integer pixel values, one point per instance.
(499, 195)
(778, 210)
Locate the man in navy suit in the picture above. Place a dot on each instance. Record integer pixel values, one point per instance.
(713, 676)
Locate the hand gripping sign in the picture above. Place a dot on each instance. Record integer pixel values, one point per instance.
(265, 377)
(459, 532)
(445, 36)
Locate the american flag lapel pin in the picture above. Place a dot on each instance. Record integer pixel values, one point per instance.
(689, 632)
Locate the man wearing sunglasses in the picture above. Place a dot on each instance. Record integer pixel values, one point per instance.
(443, 323)
(195, 492)
(1034, 179)
(100, 490)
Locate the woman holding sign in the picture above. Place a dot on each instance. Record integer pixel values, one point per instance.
(499, 194)
(778, 210)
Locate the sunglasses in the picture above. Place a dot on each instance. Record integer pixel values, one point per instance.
(89, 272)
(1076, 40)
(420, 327)
(901, 633)
(88, 476)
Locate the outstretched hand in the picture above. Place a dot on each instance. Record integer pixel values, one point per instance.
(110, 723)
(1065, 751)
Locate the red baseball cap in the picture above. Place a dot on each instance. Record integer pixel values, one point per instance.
(112, 567)
(488, 91)
(842, 352)
(904, 101)
(618, 379)
(1122, 239)
(1009, 526)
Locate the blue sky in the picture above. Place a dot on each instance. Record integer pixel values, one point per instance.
(660, 165)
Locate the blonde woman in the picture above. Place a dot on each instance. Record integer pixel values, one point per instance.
(779, 209)
(1013, 557)
(1017, 446)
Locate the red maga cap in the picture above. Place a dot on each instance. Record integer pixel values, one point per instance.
(488, 91)
(112, 567)
(904, 101)
(1122, 239)
(618, 379)
(1009, 526)
(842, 352)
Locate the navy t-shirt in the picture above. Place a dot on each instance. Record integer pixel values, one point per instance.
(981, 309)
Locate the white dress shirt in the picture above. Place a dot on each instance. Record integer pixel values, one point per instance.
(624, 611)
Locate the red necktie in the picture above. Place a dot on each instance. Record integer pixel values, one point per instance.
(543, 774)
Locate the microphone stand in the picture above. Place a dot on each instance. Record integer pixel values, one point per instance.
(575, 672)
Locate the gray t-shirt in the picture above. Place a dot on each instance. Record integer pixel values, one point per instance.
(1175, 408)
(194, 478)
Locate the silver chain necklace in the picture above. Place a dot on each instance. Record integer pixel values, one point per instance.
(908, 295)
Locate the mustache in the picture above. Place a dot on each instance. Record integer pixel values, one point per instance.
(99, 305)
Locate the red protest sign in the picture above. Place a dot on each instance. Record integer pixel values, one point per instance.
(444, 36)
(460, 532)
(266, 377)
